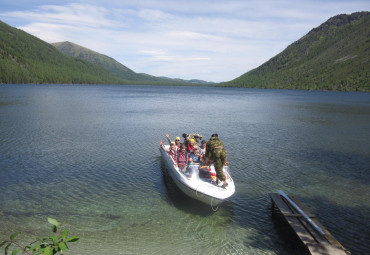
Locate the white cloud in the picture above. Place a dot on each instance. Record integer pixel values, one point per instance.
(191, 35)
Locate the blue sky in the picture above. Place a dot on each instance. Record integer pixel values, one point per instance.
(212, 40)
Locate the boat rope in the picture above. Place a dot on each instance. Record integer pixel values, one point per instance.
(215, 210)
(196, 190)
(212, 197)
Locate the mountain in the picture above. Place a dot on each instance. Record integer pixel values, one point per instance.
(106, 62)
(26, 59)
(333, 56)
(116, 68)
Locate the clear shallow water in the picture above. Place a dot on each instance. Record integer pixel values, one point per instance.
(88, 156)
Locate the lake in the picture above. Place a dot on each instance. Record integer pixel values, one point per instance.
(88, 156)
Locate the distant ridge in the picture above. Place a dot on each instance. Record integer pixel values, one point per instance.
(110, 64)
(333, 56)
(74, 50)
(116, 68)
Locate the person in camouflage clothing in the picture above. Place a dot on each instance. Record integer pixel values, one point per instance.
(215, 151)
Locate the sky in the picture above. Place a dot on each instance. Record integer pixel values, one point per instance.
(211, 40)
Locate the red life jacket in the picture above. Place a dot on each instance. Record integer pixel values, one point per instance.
(182, 159)
(173, 154)
(190, 147)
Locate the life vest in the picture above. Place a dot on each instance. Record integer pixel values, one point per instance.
(190, 148)
(182, 159)
(173, 154)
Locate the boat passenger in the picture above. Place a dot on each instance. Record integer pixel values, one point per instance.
(190, 146)
(195, 157)
(191, 136)
(182, 159)
(177, 141)
(202, 149)
(186, 139)
(196, 137)
(172, 151)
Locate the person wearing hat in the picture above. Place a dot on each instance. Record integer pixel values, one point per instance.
(216, 151)
(177, 141)
(187, 138)
(190, 145)
(172, 151)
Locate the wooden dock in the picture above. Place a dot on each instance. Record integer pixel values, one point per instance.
(315, 237)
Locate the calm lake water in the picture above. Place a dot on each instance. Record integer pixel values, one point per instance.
(88, 156)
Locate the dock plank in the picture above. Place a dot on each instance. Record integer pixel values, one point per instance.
(328, 236)
(316, 243)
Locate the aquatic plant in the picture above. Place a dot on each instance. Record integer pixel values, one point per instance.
(54, 244)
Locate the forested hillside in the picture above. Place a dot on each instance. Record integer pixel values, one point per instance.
(333, 56)
(116, 68)
(27, 59)
(74, 50)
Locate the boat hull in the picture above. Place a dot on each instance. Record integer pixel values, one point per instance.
(197, 188)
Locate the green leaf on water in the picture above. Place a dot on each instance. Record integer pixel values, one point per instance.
(63, 246)
(15, 251)
(64, 234)
(53, 222)
(35, 247)
(13, 236)
(47, 251)
(55, 239)
(73, 239)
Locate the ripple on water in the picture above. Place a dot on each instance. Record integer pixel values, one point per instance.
(88, 156)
